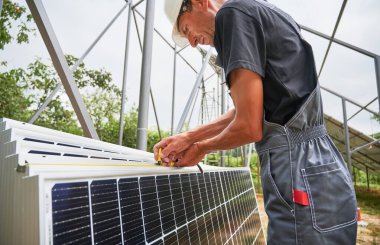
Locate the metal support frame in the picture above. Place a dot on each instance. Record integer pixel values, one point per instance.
(124, 87)
(346, 136)
(59, 61)
(74, 67)
(364, 146)
(173, 93)
(193, 92)
(367, 175)
(222, 111)
(351, 101)
(83, 116)
(142, 126)
(150, 89)
(377, 70)
(361, 109)
(333, 35)
(352, 47)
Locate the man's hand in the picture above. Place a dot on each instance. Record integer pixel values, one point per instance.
(172, 148)
(191, 156)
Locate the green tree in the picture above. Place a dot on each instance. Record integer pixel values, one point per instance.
(13, 15)
(14, 103)
(22, 91)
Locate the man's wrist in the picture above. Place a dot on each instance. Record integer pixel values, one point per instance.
(203, 147)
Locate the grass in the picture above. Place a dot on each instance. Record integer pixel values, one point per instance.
(368, 201)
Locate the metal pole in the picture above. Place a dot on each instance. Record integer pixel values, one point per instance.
(73, 68)
(333, 35)
(173, 93)
(222, 111)
(59, 61)
(249, 154)
(344, 44)
(346, 136)
(1, 6)
(150, 90)
(155, 114)
(124, 87)
(193, 92)
(365, 146)
(45, 104)
(142, 127)
(366, 171)
(377, 69)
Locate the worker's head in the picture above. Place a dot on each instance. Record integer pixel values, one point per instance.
(193, 20)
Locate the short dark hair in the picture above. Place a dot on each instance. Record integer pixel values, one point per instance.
(185, 7)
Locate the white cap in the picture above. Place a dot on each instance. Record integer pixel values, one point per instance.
(172, 9)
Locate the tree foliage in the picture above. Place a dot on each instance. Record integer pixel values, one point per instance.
(22, 91)
(14, 16)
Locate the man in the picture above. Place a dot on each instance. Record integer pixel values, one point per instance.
(270, 72)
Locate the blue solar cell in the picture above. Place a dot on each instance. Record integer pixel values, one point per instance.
(165, 203)
(178, 202)
(105, 212)
(130, 210)
(71, 213)
(150, 207)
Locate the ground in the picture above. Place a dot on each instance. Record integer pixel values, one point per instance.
(369, 203)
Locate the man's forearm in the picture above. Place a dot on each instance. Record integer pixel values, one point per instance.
(211, 129)
(238, 132)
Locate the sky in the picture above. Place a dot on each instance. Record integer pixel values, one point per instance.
(78, 22)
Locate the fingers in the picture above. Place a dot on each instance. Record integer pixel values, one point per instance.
(161, 144)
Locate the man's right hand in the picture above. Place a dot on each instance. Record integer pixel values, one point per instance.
(172, 147)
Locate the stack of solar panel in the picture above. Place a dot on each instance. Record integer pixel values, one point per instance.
(58, 188)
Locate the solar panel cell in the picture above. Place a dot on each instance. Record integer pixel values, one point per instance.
(150, 207)
(165, 203)
(69, 198)
(130, 210)
(105, 212)
(178, 202)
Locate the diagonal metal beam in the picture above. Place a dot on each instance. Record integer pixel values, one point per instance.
(193, 92)
(59, 61)
(361, 109)
(333, 35)
(124, 86)
(365, 146)
(74, 67)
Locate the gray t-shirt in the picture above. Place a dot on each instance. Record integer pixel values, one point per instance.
(251, 35)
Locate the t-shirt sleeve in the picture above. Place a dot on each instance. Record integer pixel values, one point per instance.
(239, 41)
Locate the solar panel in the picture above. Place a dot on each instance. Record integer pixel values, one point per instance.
(58, 188)
(190, 208)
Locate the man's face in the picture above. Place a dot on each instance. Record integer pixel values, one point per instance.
(198, 27)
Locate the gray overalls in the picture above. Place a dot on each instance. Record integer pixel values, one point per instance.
(308, 192)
